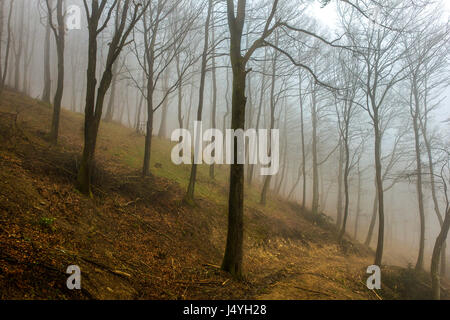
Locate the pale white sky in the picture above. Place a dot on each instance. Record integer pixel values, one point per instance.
(328, 17)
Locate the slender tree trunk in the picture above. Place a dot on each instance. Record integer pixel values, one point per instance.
(214, 96)
(112, 98)
(251, 167)
(165, 106)
(232, 261)
(358, 205)
(8, 45)
(302, 132)
(149, 128)
(2, 22)
(60, 39)
(438, 246)
(419, 263)
(379, 180)
(339, 181)
(434, 196)
(373, 219)
(180, 93)
(268, 178)
(346, 185)
(315, 199)
(18, 52)
(47, 72)
(192, 178)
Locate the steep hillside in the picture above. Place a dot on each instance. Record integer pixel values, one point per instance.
(136, 239)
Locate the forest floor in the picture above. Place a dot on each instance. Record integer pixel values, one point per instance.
(138, 240)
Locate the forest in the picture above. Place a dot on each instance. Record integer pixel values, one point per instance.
(327, 128)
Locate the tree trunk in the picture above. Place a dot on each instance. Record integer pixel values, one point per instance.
(60, 38)
(373, 219)
(315, 198)
(339, 181)
(438, 246)
(268, 178)
(346, 185)
(358, 205)
(379, 180)
(419, 263)
(214, 96)
(2, 20)
(232, 261)
(251, 167)
(47, 72)
(162, 128)
(18, 53)
(112, 98)
(191, 187)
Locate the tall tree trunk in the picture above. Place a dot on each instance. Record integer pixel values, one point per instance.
(358, 205)
(373, 219)
(18, 52)
(433, 194)
(214, 95)
(2, 22)
(8, 45)
(60, 38)
(47, 71)
(339, 181)
(315, 199)
(419, 263)
(180, 93)
(346, 185)
(232, 261)
(112, 97)
(251, 167)
(380, 191)
(438, 246)
(302, 132)
(192, 178)
(162, 128)
(268, 178)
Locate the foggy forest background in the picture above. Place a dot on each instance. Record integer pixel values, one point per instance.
(359, 88)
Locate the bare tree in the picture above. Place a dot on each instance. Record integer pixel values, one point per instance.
(191, 186)
(128, 12)
(47, 72)
(380, 51)
(444, 176)
(59, 33)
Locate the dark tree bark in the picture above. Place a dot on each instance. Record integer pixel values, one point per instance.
(59, 33)
(18, 52)
(339, 182)
(165, 107)
(112, 98)
(251, 167)
(214, 91)
(315, 199)
(47, 78)
(8, 46)
(268, 178)
(191, 187)
(437, 250)
(415, 116)
(232, 261)
(2, 22)
(94, 102)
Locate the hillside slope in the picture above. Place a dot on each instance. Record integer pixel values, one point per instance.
(136, 239)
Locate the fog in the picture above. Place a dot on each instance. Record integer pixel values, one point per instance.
(312, 73)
